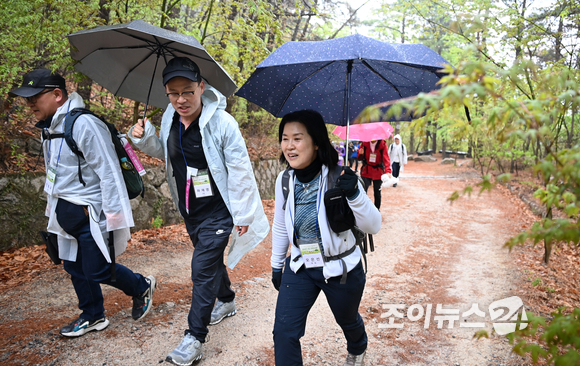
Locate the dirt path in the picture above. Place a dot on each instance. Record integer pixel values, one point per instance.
(428, 252)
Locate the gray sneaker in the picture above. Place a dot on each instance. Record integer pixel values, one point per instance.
(188, 351)
(355, 360)
(222, 310)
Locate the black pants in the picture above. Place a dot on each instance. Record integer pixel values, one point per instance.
(91, 268)
(208, 272)
(377, 189)
(297, 295)
(396, 167)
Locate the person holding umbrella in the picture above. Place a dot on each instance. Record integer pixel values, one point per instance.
(82, 212)
(398, 156)
(375, 163)
(300, 222)
(212, 183)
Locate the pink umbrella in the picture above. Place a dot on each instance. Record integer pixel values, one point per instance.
(366, 131)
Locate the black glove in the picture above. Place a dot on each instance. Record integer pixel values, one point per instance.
(276, 278)
(348, 182)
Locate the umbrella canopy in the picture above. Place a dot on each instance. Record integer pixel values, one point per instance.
(128, 59)
(340, 77)
(366, 131)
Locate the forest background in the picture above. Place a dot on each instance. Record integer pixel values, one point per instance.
(515, 67)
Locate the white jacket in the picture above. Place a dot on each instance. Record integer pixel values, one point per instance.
(368, 219)
(105, 193)
(398, 154)
(228, 162)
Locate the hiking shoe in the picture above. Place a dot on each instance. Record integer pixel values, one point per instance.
(142, 304)
(188, 351)
(222, 310)
(394, 185)
(80, 326)
(355, 360)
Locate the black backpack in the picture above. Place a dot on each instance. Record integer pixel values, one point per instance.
(361, 237)
(131, 176)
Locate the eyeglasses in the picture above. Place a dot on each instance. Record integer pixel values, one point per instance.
(185, 95)
(34, 98)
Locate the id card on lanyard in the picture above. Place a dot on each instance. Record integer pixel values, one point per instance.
(310, 248)
(199, 179)
(372, 157)
(311, 253)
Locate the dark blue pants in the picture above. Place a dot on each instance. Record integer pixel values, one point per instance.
(208, 272)
(298, 293)
(91, 268)
(396, 169)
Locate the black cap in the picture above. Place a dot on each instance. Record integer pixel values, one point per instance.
(181, 66)
(36, 81)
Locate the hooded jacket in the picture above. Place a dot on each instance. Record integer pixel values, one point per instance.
(104, 194)
(398, 154)
(228, 162)
(368, 219)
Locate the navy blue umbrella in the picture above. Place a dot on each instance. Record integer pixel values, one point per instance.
(340, 77)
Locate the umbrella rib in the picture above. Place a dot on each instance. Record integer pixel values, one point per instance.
(166, 45)
(150, 45)
(381, 76)
(133, 68)
(298, 84)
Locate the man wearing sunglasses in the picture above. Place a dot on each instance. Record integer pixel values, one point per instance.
(212, 183)
(82, 213)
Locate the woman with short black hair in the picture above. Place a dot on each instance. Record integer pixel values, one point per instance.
(321, 259)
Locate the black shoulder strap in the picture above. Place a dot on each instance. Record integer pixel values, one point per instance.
(69, 123)
(285, 186)
(332, 175)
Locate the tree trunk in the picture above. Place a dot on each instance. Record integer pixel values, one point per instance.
(403, 29)
(84, 89)
(548, 243)
(434, 138)
(297, 27)
(104, 12)
(571, 135)
(443, 148)
(412, 142)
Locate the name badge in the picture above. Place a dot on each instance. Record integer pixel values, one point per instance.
(50, 179)
(372, 158)
(201, 184)
(312, 255)
(191, 172)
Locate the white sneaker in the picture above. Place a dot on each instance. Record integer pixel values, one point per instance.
(355, 360)
(222, 310)
(188, 351)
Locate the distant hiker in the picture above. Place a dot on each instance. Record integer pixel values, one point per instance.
(320, 259)
(352, 151)
(82, 213)
(375, 163)
(212, 184)
(398, 156)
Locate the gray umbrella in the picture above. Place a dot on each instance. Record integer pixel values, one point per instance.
(128, 59)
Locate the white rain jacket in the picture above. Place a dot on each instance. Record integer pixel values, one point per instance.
(368, 219)
(105, 193)
(398, 153)
(228, 162)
